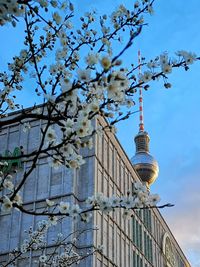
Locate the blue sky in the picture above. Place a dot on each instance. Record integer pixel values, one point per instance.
(171, 116)
(172, 120)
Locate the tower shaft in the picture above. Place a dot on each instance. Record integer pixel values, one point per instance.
(141, 125)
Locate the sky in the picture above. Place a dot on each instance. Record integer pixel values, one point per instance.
(171, 116)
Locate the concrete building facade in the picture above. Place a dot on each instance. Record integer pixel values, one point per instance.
(145, 240)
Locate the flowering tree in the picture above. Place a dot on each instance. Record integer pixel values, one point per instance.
(83, 78)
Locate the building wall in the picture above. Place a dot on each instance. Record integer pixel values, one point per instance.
(136, 242)
(43, 183)
(114, 176)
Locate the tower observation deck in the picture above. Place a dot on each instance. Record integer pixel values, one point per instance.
(143, 162)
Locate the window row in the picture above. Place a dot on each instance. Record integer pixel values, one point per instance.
(142, 240)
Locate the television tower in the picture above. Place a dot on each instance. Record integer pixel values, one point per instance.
(144, 164)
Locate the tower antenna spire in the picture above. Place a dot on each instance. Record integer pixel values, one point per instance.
(141, 125)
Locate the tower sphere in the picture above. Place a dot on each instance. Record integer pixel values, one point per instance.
(145, 164)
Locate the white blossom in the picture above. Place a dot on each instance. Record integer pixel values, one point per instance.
(18, 199)
(66, 85)
(43, 258)
(50, 135)
(189, 57)
(115, 201)
(86, 217)
(128, 202)
(49, 97)
(69, 24)
(43, 225)
(106, 63)
(64, 207)
(150, 9)
(26, 127)
(146, 76)
(164, 59)
(139, 187)
(43, 3)
(153, 199)
(53, 220)
(84, 75)
(92, 59)
(7, 204)
(167, 68)
(55, 162)
(50, 203)
(127, 213)
(75, 210)
(8, 184)
(100, 248)
(57, 18)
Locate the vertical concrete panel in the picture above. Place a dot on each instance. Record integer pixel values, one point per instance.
(13, 139)
(30, 187)
(68, 180)
(33, 138)
(4, 232)
(85, 179)
(3, 143)
(43, 180)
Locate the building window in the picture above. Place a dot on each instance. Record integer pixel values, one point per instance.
(134, 259)
(133, 231)
(137, 260)
(137, 234)
(140, 237)
(147, 219)
(148, 251)
(141, 262)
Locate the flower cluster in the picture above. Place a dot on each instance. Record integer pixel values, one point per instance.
(162, 65)
(118, 84)
(6, 179)
(9, 10)
(71, 210)
(65, 252)
(123, 14)
(140, 198)
(37, 241)
(7, 203)
(36, 238)
(66, 258)
(7, 186)
(188, 57)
